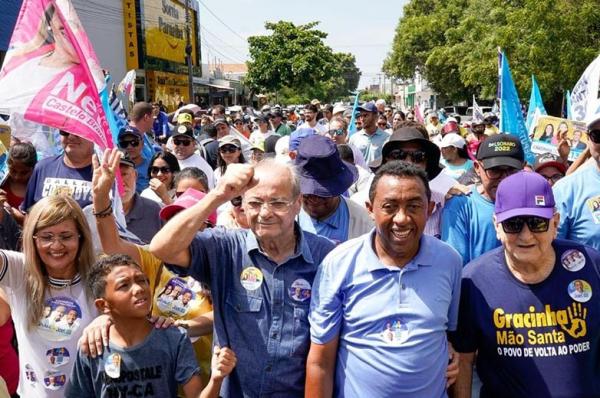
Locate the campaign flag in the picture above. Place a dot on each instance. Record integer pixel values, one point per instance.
(51, 74)
(419, 114)
(499, 85)
(127, 85)
(536, 105)
(511, 117)
(477, 112)
(352, 125)
(117, 106)
(584, 98)
(568, 101)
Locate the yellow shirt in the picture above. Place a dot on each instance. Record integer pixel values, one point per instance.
(491, 130)
(179, 298)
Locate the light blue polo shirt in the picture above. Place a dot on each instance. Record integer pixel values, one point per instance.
(577, 199)
(370, 145)
(391, 321)
(334, 227)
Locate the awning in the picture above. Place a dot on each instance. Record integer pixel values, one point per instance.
(221, 87)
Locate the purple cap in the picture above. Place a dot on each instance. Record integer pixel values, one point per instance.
(524, 194)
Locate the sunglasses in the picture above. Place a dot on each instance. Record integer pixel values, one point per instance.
(228, 149)
(126, 144)
(156, 170)
(382, 124)
(399, 154)
(514, 225)
(336, 132)
(236, 202)
(182, 142)
(594, 136)
(64, 133)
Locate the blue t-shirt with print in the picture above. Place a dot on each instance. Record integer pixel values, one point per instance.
(51, 176)
(577, 199)
(468, 225)
(534, 340)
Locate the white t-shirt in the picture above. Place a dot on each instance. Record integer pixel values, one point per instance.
(198, 161)
(256, 137)
(47, 352)
(148, 193)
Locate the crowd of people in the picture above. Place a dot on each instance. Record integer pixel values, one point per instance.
(309, 251)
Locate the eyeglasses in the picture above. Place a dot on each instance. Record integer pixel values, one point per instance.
(399, 154)
(494, 173)
(64, 133)
(236, 202)
(362, 115)
(228, 149)
(126, 144)
(535, 224)
(156, 170)
(182, 142)
(553, 178)
(594, 136)
(382, 124)
(48, 239)
(276, 206)
(336, 132)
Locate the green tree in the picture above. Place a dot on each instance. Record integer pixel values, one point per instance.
(295, 63)
(453, 44)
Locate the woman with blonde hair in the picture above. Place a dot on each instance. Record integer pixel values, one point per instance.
(47, 293)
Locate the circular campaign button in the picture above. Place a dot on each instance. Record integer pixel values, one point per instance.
(58, 356)
(251, 278)
(572, 260)
(300, 290)
(60, 319)
(580, 290)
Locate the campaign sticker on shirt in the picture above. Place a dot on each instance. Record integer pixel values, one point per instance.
(30, 374)
(251, 278)
(176, 298)
(60, 319)
(572, 260)
(580, 290)
(593, 205)
(112, 366)
(53, 380)
(300, 290)
(395, 332)
(58, 356)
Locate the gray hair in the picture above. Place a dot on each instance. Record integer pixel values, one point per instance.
(271, 164)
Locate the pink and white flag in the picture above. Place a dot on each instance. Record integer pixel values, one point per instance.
(51, 74)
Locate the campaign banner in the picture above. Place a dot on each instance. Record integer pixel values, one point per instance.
(549, 131)
(51, 74)
(536, 105)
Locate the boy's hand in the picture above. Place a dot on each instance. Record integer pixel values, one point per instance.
(95, 336)
(223, 362)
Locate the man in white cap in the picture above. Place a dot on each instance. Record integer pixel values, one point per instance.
(578, 196)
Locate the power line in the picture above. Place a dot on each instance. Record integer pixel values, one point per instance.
(237, 53)
(220, 20)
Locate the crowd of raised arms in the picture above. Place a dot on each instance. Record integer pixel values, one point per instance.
(302, 251)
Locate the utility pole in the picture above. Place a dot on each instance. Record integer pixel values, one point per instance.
(188, 51)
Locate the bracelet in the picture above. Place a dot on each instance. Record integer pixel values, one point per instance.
(104, 213)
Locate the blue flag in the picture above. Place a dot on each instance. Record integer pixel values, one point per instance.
(352, 125)
(536, 105)
(511, 117)
(569, 114)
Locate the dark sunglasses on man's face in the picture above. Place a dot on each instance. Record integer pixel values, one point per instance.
(336, 132)
(399, 154)
(594, 136)
(126, 144)
(182, 142)
(514, 225)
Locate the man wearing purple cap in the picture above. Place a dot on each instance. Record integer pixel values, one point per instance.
(369, 141)
(324, 177)
(525, 307)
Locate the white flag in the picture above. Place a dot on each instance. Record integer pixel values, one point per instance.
(584, 98)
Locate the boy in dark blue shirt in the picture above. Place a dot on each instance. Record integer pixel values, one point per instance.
(140, 360)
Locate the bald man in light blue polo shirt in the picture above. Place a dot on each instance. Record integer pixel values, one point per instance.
(383, 303)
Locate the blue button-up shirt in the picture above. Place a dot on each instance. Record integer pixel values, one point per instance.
(370, 145)
(260, 308)
(334, 227)
(391, 321)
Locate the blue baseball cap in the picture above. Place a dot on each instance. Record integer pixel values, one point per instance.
(368, 107)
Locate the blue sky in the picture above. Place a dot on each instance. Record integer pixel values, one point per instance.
(365, 29)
